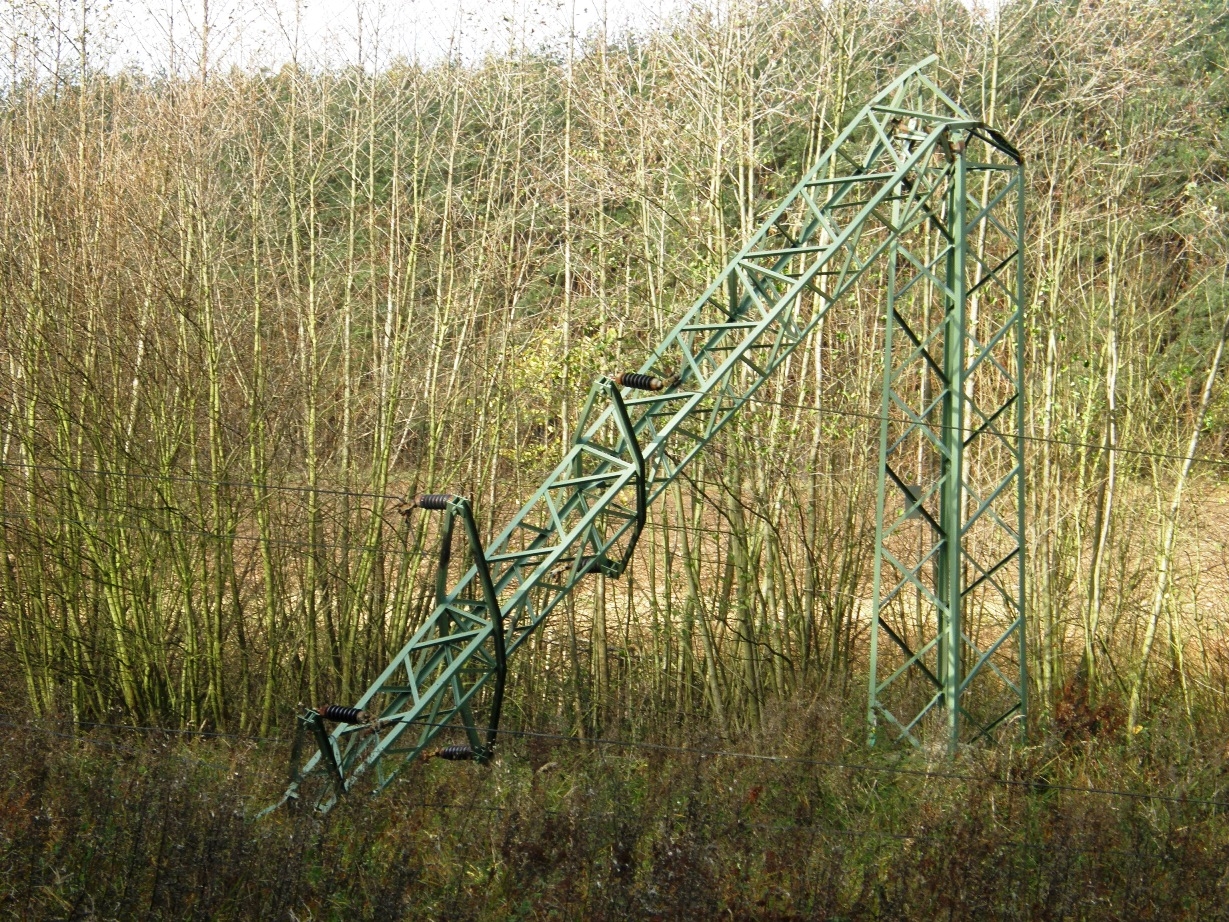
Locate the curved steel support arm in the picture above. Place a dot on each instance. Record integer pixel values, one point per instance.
(454, 507)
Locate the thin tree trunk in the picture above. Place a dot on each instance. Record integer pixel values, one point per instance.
(1169, 530)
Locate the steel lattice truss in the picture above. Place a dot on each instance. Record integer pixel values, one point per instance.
(948, 649)
(884, 199)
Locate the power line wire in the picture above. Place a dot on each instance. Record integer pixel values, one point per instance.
(863, 767)
(850, 766)
(197, 481)
(1037, 439)
(149, 527)
(331, 491)
(774, 827)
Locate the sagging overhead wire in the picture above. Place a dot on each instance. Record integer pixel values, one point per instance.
(776, 827)
(9, 720)
(230, 483)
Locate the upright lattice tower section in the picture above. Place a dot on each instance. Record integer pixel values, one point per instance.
(948, 648)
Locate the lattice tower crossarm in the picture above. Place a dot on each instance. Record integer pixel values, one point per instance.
(878, 202)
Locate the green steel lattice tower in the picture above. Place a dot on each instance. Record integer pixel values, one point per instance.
(948, 647)
(915, 199)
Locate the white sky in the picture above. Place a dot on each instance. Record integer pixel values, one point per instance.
(151, 33)
(157, 36)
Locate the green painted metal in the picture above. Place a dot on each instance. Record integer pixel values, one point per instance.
(459, 507)
(949, 562)
(892, 175)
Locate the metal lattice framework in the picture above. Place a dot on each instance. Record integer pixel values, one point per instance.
(948, 646)
(894, 196)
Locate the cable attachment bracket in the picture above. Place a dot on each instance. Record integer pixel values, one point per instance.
(622, 442)
(459, 507)
(628, 432)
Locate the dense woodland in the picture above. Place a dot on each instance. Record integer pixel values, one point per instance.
(244, 311)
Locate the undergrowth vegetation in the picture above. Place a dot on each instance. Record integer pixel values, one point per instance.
(245, 312)
(128, 825)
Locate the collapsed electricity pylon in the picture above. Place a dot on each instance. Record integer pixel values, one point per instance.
(914, 197)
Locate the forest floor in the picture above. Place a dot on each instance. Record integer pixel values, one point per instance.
(109, 824)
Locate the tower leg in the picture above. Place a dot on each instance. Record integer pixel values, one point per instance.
(950, 501)
(952, 492)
